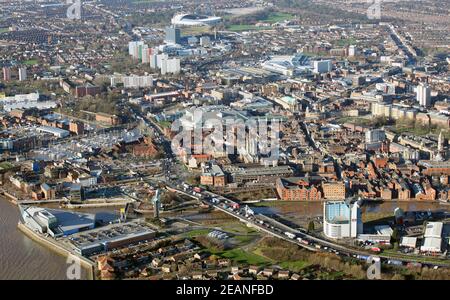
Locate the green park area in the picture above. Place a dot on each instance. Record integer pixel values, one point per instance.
(248, 24)
(196, 30)
(346, 42)
(244, 27)
(241, 256)
(278, 17)
(30, 62)
(2, 30)
(418, 128)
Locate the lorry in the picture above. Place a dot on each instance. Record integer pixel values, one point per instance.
(375, 249)
(305, 242)
(235, 205)
(289, 235)
(414, 265)
(395, 262)
(362, 257)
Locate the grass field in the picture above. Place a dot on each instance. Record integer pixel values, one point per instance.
(356, 120)
(199, 30)
(241, 256)
(238, 28)
(294, 266)
(278, 17)
(197, 232)
(30, 62)
(272, 18)
(346, 42)
(243, 239)
(2, 30)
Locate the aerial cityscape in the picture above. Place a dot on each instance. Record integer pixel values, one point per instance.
(225, 140)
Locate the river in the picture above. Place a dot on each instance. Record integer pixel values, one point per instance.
(23, 258)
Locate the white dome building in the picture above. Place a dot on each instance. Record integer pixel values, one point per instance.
(195, 20)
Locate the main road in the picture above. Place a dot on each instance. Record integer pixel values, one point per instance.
(316, 244)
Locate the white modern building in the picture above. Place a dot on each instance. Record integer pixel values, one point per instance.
(170, 66)
(22, 74)
(341, 219)
(195, 20)
(352, 51)
(25, 101)
(137, 81)
(54, 222)
(423, 93)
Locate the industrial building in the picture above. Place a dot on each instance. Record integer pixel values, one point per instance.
(55, 223)
(58, 132)
(433, 237)
(342, 219)
(288, 65)
(110, 237)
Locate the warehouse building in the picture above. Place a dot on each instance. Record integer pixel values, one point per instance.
(433, 237)
(58, 132)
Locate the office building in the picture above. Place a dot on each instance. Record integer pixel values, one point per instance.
(153, 61)
(322, 66)
(342, 219)
(352, 51)
(22, 73)
(134, 81)
(424, 95)
(135, 49)
(170, 66)
(334, 190)
(358, 80)
(173, 35)
(76, 127)
(374, 136)
(6, 74)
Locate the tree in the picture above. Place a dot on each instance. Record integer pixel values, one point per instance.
(395, 237)
(311, 226)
